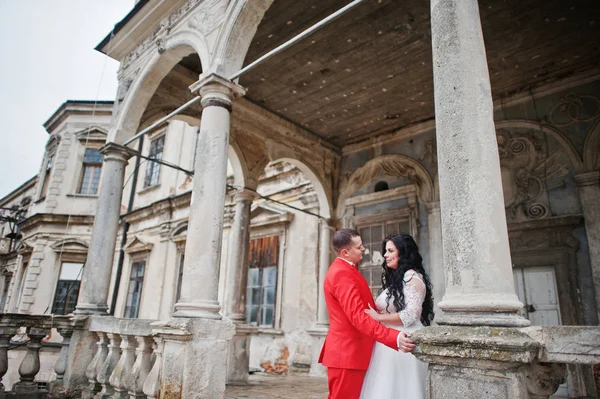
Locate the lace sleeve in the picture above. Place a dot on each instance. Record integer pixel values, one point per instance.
(414, 295)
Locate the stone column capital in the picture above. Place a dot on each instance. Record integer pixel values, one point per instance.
(118, 152)
(327, 224)
(244, 195)
(217, 91)
(588, 179)
(433, 206)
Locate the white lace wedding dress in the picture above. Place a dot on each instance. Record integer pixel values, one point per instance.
(394, 374)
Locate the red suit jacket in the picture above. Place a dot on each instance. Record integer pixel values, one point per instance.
(352, 332)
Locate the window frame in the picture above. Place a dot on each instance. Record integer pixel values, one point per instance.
(133, 262)
(47, 173)
(152, 166)
(408, 213)
(262, 287)
(58, 281)
(84, 165)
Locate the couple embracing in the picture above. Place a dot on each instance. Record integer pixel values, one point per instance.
(367, 349)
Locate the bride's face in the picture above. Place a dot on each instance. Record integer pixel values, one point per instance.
(391, 255)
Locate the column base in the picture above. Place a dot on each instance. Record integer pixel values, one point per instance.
(482, 319)
(475, 309)
(202, 310)
(238, 355)
(91, 309)
(194, 363)
(318, 334)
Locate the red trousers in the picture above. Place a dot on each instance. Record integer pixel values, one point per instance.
(345, 383)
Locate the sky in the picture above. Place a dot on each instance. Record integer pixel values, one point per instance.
(47, 56)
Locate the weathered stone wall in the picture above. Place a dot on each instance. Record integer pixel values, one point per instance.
(541, 145)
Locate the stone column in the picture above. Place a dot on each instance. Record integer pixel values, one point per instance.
(196, 338)
(324, 262)
(203, 250)
(479, 280)
(589, 195)
(238, 259)
(97, 271)
(477, 350)
(436, 255)
(321, 328)
(238, 358)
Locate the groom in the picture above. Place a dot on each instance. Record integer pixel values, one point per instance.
(352, 333)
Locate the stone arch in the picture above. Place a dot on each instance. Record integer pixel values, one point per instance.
(393, 165)
(241, 23)
(322, 195)
(178, 229)
(551, 131)
(240, 169)
(591, 149)
(277, 151)
(176, 46)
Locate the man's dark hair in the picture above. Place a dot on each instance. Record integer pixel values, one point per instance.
(343, 238)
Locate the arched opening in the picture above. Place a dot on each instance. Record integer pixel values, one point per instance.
(381, 186)
(160, 87)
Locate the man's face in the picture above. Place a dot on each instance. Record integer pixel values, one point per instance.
(354, 253)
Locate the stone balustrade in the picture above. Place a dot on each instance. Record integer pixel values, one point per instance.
(29, 330)
(122, 366)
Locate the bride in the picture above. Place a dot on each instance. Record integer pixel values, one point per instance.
(405, 304)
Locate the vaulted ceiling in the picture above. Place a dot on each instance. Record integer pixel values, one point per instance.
(371, 72)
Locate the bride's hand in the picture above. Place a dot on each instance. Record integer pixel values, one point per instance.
(372, 312)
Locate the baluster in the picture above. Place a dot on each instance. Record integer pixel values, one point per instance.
(30, 365)
(121, 373)
(152, 383)
(141, 368)
(106, 369)
(92, 370)
(60, 368)
(6, 333)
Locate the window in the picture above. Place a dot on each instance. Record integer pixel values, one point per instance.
(5, 292)
(372, 237)
(180, 277)
(22, 277)
(262, 281)
(134, 292)
(90, 176)
(153, 168)
(46, 181)
(67, 289)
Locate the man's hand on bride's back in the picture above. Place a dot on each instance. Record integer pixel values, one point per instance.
(373, 313)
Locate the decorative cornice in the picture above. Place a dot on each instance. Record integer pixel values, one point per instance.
(164, 205)
(48, 218)
(136, 245)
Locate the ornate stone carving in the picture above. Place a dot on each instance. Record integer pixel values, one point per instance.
(430, 152)
(543, 379)
(209, 17)
(527, 172)
(574, 108)
(544, 234)
(392, 165)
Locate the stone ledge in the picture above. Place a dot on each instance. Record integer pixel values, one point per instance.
(109, 324)
(567, 344)
(445, 344)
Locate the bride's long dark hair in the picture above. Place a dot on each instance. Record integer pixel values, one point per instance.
(393, 279)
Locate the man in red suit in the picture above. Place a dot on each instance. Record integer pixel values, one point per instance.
(352, 333)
